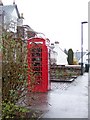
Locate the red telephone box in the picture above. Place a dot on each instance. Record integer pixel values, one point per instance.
(38, 65)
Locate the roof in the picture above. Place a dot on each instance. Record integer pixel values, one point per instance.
(11, 16)
(61, 56)
(8, 9)
(78, 55)
(88, 53)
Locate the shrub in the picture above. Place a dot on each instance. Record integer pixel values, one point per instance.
(10, 110)
(14, 75)
(70, 57)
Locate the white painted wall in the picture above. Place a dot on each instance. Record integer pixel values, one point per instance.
(53, 56)
(61, 56)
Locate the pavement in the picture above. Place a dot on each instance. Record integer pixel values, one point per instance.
(64, 100)
(72, 102)
(89, 94)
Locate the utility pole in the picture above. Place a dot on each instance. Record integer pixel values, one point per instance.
(82, 46)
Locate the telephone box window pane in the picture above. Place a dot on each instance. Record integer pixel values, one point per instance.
(36, 54)
(34, 64)
(38, 73)
(36, 59)
(36, 50)
(37, 69)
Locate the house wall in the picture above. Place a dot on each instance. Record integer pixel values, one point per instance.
(53, 56)
(61, 56)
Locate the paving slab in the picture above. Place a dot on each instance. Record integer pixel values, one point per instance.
(72, 103)
(64, 100)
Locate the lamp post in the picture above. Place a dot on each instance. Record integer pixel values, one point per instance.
(82, 46)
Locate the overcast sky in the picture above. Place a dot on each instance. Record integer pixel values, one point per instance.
(59, 20)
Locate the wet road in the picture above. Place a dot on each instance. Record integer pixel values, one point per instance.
(64, 100)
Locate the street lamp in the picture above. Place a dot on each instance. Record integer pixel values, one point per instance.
(82, 46)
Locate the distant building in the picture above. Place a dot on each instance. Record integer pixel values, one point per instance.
(85, 59)
(53, 55)
(11, 17)
(77, 55)
(58, 54)
(12, 21)
(88, 58)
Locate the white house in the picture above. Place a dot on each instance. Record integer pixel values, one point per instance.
(59, 55)
(53, 54)
(12, 21)
(11, 17)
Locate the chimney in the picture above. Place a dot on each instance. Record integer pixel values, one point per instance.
(22, 16)
(52, 46)
(13, 2)
(20, 20)
(56, 42)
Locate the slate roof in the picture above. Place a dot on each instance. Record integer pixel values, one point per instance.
(11, 16)
(85, 58)
(88, 53)
(10, 8)
(9, 12)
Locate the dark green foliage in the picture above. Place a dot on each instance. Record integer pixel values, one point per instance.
(14, 68)
(12, 111)
(70, 57)
(14, 75)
